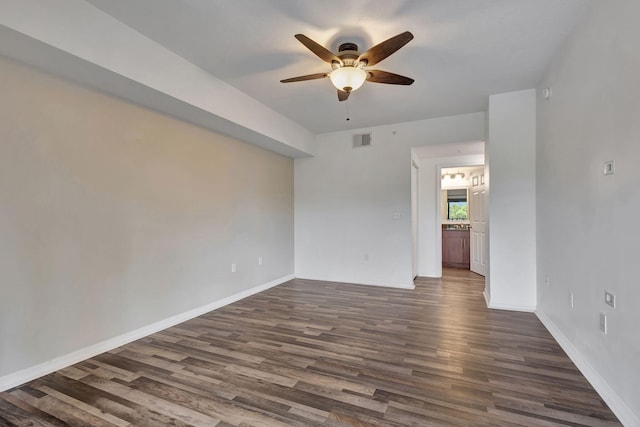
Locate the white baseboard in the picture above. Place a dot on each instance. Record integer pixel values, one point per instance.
(366, 283)
(523, 308)
(17, 378)
(617, 405)
(510, 307)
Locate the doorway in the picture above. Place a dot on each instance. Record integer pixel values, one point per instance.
(462, 217)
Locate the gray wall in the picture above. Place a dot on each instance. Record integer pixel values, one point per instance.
(587, 223)
(113, 217)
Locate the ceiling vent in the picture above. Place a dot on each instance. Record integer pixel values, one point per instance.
(362, 140)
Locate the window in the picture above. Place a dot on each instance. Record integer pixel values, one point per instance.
(457, 205)
(457, 210)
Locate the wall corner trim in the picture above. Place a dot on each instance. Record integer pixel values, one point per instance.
(486, 297)
(28, 374)
(615, 403)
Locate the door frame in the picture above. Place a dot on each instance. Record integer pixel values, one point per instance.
(430, 160)
(450, 163)
(415, 215)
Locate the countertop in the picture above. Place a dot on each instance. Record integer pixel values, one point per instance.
(456, 227)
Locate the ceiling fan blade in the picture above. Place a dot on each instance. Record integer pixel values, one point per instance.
(386, 48)
(378, 76)
(342, 95)
(320, 51)
(304, 78)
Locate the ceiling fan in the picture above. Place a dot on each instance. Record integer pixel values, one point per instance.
(349, 67)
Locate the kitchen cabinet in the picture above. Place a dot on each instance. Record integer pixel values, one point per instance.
(455, 248)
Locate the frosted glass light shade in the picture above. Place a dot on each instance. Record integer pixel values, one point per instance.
(348, 79)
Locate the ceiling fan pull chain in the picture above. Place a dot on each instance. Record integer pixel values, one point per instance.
(347, 105)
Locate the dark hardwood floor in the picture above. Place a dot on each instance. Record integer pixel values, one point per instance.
(318, 353)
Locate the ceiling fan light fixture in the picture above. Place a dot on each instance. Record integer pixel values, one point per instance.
(348, 79)
(452, 175)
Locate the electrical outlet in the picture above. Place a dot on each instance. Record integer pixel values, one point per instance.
(259, 260)
(609, 167)
(233, 268)
(603, 323)
(396, 214)
(610, 299)
(547, 281)
(571, 299)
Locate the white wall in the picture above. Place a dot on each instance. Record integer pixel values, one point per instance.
(431, 159)
(588, 234)
(114, 217)
(345, 199)
(512, 206)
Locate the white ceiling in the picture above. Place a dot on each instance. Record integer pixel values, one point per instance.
(463, 51)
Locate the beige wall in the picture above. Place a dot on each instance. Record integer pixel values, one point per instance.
(113, 217)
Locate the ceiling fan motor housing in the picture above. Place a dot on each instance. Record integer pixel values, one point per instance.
(348, 54)
(348, 46)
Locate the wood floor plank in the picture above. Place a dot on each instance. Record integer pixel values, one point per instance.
(16, 412)
(109, 403)
(320, 353)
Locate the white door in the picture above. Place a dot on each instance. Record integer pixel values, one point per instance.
(478, 209)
